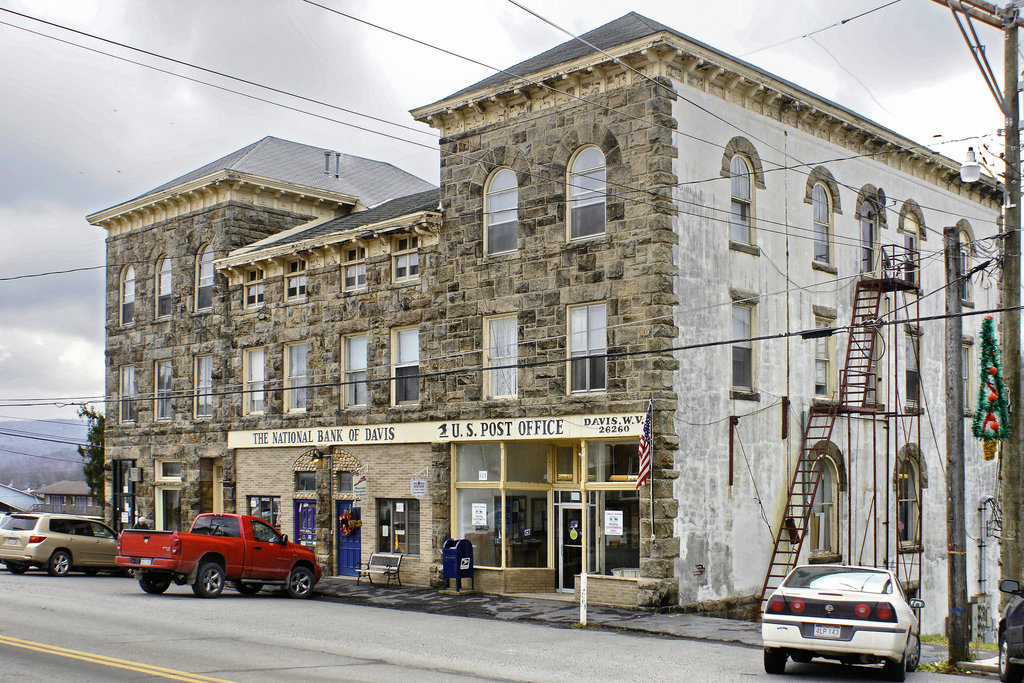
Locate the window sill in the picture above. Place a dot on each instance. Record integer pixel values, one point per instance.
(824, 557)
(163, 319)
(742, 395)
(825, 401)
(967, 303)
(908, 548)
(356, 290)
(406, 282)
(824, 267)
(751, 249)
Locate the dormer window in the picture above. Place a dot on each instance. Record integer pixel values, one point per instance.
(254, 288)
(295, 285)
(354, 269)
(406, 258)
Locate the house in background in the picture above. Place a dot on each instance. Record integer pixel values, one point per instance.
(16, 500)
(72, 497)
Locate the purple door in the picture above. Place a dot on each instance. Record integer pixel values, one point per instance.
(350, 546)
(305, 523)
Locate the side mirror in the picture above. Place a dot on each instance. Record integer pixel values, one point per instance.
(284, 539)
(916, 603)
(1009, 586)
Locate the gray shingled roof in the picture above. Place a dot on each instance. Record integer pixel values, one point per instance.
(621, 31)
(65, 488)
(371, 181)
(403, 206)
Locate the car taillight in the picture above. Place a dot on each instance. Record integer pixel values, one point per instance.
(36, 539)
(175, 544)
(776, 604)
(885, 612)
(862, 611)
(797, 606)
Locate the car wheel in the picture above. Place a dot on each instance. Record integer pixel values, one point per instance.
(59, 563)
(775, 660)
(154, 584)
(248, 588)
(914, 656)
(1008, 672)
(17, 567)
(300, 582)
(209, 580)
(895, 669)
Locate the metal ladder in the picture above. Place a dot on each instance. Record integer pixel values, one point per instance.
(855, 386)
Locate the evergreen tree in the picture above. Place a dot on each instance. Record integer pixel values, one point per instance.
(991, 421)
(92, 452)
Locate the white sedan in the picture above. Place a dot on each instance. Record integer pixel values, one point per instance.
(857, 615)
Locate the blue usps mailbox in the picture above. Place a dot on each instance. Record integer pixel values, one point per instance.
(457, 562)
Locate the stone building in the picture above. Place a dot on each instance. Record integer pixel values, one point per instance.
(649, 224)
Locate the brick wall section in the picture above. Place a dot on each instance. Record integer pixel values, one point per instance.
(630, 268)
(270, 472)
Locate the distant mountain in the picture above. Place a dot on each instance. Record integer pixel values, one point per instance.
(35, 453)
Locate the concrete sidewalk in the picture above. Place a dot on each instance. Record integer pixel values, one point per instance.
(556, 611)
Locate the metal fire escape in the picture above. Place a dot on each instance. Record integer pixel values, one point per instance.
(857, 382)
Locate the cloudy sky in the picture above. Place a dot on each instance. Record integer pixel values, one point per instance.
(81, 131)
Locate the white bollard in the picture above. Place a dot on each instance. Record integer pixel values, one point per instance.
(583, 598)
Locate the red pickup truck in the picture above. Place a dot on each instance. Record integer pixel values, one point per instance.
(220, 547)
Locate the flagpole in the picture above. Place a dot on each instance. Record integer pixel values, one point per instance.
(650, 411)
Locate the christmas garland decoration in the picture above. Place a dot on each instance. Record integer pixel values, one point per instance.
(991, 420)
(347, 525)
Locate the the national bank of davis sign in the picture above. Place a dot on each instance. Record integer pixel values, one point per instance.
(522, 428)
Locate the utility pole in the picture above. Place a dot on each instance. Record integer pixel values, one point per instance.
(956, 532)
(1010, 466)
(1007, 19)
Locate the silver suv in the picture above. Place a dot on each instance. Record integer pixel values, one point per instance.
(56, 542)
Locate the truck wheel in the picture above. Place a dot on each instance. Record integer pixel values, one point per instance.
(248, 588)
(17, 567)
(59, 563)
(155, 584)
(300, 582)
(209, 580)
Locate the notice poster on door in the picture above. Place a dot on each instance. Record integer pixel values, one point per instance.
(480, 514)
(613, 522)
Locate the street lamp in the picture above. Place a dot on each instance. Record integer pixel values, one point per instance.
(970, 170)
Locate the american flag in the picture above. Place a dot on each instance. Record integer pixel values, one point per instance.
(645, 450)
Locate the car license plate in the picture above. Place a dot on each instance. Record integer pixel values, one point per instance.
(822, 631)
(146, 561)
(11, 540)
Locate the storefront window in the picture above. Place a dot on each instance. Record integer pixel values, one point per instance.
(608, 462)
(526, 525)
(526, 462)
(479, 462)
(398, 526)
(479, 521)
(616, 528)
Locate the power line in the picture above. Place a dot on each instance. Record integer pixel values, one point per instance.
(41, 457)
(818, 30)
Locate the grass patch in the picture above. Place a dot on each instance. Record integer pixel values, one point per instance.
(974, 645)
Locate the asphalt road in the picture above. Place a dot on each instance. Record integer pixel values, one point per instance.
(106, 629)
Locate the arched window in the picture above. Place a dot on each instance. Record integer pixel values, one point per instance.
(966, 262)
(907, 517)
(742, 203)
(501, 206)
(163, 288)
(821, 214)
(204, 278)
(823, 526)
(824, 522)
(912, 247)
(587, 194)
(868, 236)
(128, 295)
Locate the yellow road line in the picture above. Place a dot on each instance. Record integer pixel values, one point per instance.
(109, 661)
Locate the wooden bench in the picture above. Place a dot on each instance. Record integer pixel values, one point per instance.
(381, 565)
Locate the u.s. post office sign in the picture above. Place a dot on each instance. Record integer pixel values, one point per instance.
(514, 429)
